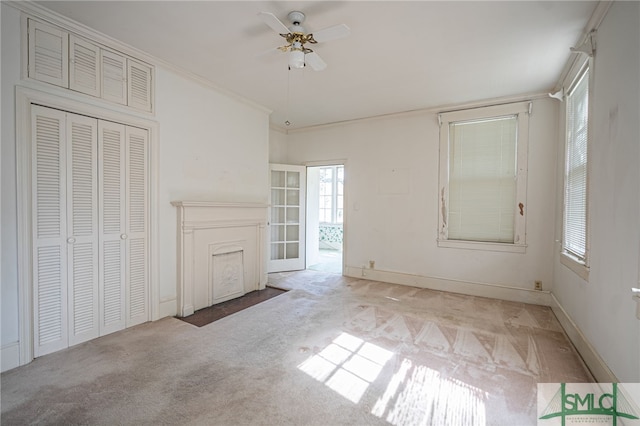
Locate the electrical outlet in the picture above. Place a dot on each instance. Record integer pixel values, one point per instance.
(538, 285)
(372, 264)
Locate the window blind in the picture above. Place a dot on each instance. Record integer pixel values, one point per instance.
(575, 201)
(482, 179)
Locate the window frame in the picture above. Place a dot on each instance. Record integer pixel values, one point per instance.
(334, 195)
(579, 266)
(522, 111)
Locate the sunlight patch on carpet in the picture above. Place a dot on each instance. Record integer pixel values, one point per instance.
(417, 394)
(348, 365)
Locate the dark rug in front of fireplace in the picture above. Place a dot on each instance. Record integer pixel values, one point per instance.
(213, 313)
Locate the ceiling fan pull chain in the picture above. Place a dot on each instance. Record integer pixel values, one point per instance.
(286, 115)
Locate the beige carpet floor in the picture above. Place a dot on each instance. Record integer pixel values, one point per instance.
(331, 351)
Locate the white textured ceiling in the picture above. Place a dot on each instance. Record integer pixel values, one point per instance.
(401, 56)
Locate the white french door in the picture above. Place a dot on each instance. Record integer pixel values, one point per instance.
(287, 218)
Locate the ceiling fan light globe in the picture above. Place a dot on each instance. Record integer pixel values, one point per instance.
(296, 58)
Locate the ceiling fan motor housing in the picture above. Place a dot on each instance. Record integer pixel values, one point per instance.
(296, 17)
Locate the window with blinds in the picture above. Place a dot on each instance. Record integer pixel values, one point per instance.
(483, 177)
(575, 198)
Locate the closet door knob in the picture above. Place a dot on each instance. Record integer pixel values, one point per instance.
(71, 240)
(123, 236)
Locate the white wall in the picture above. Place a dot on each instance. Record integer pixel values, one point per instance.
(277, 146)
(10, 77)
(602, 308)
(312, 249)
(211, 147)
(397, 226)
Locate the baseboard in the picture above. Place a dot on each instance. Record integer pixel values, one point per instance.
(513, 294)
(168, 308)
(10, 356)
(593, 361)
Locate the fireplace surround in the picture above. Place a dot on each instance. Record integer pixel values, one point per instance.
(221, 252)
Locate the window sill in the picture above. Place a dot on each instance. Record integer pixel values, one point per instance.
(575, 265)
(478, 245)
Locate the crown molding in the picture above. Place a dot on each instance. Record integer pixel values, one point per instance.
(425, 111)
(576, 60)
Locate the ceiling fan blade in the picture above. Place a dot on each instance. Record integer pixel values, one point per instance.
(272, 21)
(269, 52)
(332, 33)
(315, 61)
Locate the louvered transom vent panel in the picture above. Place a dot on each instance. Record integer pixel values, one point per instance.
(48, 176)
(139, 85)
(137, 279)
(113, 287)
(83, 288)
(83, 183)
(114, 77)
(85, 67)
(111, 180)
(48, 54)
(137, 182)
(66, 60)
(50, 294)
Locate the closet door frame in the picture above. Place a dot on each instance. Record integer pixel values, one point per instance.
(25, 98)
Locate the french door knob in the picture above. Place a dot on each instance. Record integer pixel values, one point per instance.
(71, 240)
(123, 236)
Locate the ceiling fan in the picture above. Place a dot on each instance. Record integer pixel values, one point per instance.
(296, 37)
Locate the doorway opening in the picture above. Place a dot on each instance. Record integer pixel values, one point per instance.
(325, 218)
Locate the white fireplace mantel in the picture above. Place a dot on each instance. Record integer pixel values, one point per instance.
(222, 251)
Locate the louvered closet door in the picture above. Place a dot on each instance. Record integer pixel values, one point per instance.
(90, 228)
(49, 230)
(82, 228)
(136, 224)
(111, 147)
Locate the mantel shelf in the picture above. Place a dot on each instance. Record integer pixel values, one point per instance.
(217, 204)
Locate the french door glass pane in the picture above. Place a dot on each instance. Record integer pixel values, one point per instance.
(292, 232)
(293, 215)
(292, 251)
(278, 179)
(293, 197)
(277, 251)
(277, 214)
(277, 232)
(293, 179)
(277, 197)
